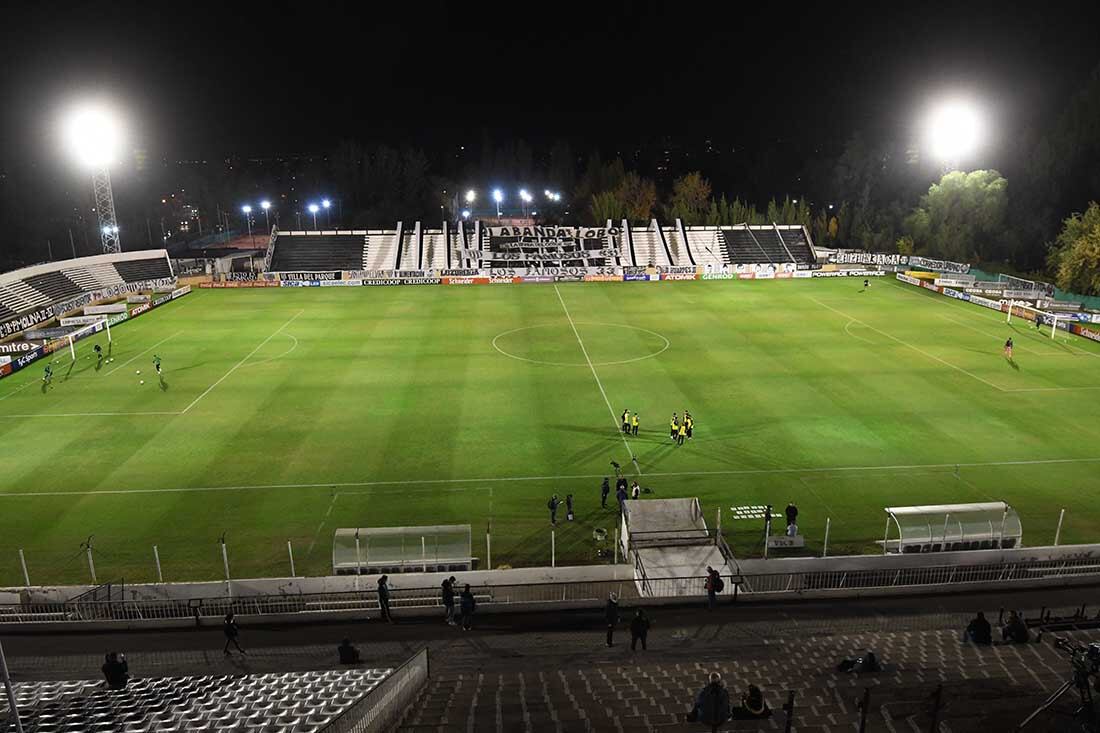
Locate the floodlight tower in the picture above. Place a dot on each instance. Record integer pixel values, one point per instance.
(93, 135)
(953, 132)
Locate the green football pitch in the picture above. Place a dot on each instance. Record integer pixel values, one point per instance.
(284, 414)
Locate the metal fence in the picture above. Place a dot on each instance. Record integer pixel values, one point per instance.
(382, 707)
(577, 593)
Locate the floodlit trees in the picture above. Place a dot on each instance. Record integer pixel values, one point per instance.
(962, 218)
(1075, 254)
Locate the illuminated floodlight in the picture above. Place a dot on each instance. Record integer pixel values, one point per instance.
(498, 195)
(471, 196)
(326, 203)
(953, 130)
(524, 195)
(547, 193)
(246, 209)
(313, 208)
(265, 205)
(534, 213)
(93, 135)
(465, 213)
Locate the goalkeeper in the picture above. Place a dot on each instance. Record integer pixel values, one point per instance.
(156, 363)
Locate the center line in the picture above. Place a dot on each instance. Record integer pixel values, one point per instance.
(242, 361)
(610, 409)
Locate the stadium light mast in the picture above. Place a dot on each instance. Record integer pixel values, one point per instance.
(313, 209)
(498, 196)
(953, 131)
(265, 205)
(327, 206)
(93, 135)
(248, 220)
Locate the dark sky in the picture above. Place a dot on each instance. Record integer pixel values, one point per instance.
(204, 80)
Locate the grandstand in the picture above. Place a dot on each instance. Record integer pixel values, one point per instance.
(649, 246)
(319, 251)
(36, 288)
(764, 244)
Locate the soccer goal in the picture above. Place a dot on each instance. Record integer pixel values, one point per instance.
(70, 339)
(1040, 318)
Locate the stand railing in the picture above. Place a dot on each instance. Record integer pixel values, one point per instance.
(382, 707)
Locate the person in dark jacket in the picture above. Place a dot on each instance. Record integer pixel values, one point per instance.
(611, 616)
(753, 705)
(711, 586)
(467, 605)
(712, 704)
(569, 507)
(1015, 631)
(605, 489)
(229, 628)
(620, 496)
(979, 631)
(449, 600)
(792, 514)
(552, 505)
(384, 598)
(348, 653)
(639, 629)
(116, 671)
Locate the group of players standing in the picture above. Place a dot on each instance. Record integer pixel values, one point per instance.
(680, 428)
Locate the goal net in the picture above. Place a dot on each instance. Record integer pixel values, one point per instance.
(1041, 319)
(401, 549)
(69, 340)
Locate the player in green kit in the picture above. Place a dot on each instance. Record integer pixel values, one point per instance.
(47, 376)
(156, 363)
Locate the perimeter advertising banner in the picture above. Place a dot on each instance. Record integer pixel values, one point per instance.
(27, 320)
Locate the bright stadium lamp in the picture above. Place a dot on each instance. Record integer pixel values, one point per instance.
(465, 213)
(471, 196)
(265, 205)
(326, 203)
(313, 209)
(248, 220)
(953, 131)
(498, 196)
(246, 209)
(92, 134)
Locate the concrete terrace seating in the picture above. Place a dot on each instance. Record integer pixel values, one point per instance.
(706, 247)
(435, 250)
(795, 239)
(17, 296)
(744, 246)
(314, 252)
(410, 253)
(54, 285)
(138, 270)
(94, 276)
(676, 246)
(648, 247)
(302, 701)
(381, 250)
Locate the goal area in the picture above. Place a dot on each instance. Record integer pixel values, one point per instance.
(1040, 318)
(69, 340)
(438, 548)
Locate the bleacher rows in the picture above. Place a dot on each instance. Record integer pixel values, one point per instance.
(300, 702)
(36, 291)
(377, 250)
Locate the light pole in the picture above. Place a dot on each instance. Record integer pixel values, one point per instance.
(93, 135)
(265, 205)
(953, 131)
(328, 215)
(526, 199)
(248, 220)
(313, 208)
(498, 196)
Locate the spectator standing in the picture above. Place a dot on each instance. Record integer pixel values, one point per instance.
(347, 652)
(467, 604)
(116, 671)
(611, 616)
(979, 631)
(605, 489)
(552, 505)
(635, 491)
(620, 496)
(569, 507)
(792, 514)
(232, 632)
(449, 600)
(639, 629)
(712, 704)
(752, 706)
(384, 598)
(711, 586)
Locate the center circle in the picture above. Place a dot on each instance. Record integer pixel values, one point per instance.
(540, 344)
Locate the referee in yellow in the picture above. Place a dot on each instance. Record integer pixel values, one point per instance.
(634, 421)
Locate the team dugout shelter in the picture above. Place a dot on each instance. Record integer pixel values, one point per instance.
(950, 527)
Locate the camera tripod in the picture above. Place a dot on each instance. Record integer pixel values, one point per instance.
(1085, 714)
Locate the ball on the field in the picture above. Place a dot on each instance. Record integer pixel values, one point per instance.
(142, 382)
(138, 371)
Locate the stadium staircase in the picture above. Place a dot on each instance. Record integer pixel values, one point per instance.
(409, 256)
(301, 701)
(674, 245)
(312, 252)
(435, 249)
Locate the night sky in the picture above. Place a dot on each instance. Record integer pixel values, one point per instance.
(236, 78)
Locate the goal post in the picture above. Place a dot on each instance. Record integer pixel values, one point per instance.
(69, 340)
(1041, 318)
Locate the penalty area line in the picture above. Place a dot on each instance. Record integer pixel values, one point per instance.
(517, 479)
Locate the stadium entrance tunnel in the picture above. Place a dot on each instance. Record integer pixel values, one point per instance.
(556, 344)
